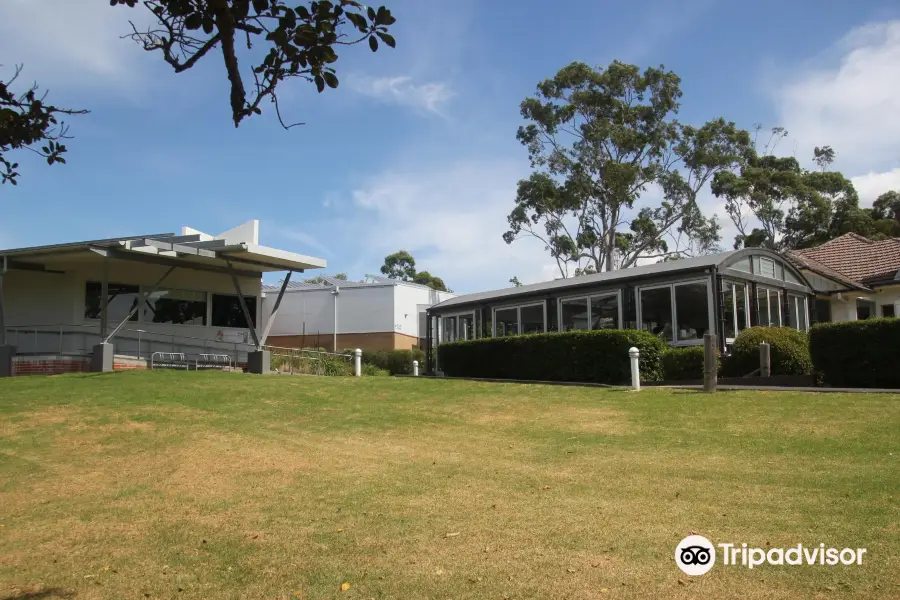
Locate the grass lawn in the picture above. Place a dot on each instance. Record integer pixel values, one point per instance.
(212, 485)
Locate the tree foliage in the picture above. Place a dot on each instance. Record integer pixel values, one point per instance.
(597, 139)
(300, 42)
(401, 265)
(27, 121)
(319, 279)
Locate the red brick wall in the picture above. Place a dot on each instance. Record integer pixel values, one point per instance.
(46, 365)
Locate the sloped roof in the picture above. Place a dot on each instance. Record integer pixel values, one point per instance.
(855, 259)
(806, 262)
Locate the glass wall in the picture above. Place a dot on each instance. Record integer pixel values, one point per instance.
(448, 329)
(176, 307)
(466, 326)
(506, 322)
(797, 312)
(734, 303)
(605, 312)
(121, 298)
(676, 313)
(574, 314)
(768, 306)
(591, 312)
(226, 311)
(532, 318)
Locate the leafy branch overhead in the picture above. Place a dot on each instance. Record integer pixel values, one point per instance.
(301, 41)
(27, 121)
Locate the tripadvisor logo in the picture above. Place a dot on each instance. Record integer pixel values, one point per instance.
(696, 555)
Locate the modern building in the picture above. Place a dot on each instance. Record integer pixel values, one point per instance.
(854, 277)
(678, 301)
(375, 314)
(191, 293)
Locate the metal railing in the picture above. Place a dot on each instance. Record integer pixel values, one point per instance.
(79, 340)
(307, 361)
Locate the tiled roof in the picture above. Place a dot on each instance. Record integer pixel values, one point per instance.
(854, 258)
(805, 262)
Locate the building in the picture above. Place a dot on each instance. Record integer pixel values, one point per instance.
(122, 299)
(854, 277)
(375, 314)
(678, 301)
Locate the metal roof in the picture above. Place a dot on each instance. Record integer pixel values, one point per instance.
(675, 266)
(331, 282)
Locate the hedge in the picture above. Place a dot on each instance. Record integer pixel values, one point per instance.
(396, 362)
(683, 363)
(789, 352)
(857, 353)
(599, 356)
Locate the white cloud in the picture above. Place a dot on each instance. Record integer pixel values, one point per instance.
(72, 43)
(872, 185)
(850, 103)
(428, 97)
(296, 235)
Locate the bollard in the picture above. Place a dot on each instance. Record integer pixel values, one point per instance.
(634, 354)
(765, 362)
(357, 363)
(710, 362)
(415, 368)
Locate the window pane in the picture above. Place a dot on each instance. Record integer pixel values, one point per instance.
(792, 312)
(742, 265)
(803, 313)
(177, 307)
(823, 311)
(762, 307)
(743, 317)
(448, 329)
(466, 327)
(656, 312)
(775, 318)
(767, 267)
(120, 300)
(507, 322)
(887, 311)
(532, 318)
(692, 310)
(604, 312)
(552, 317)
(226, 311)
(864, 309)
(728, 309)
(574, 314)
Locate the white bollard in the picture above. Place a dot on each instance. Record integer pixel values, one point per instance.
(357, 363)
(415, 368)
(634, 354)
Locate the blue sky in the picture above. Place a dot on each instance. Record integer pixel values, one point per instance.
(417, 147)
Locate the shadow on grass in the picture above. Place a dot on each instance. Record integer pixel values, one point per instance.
(47, 594)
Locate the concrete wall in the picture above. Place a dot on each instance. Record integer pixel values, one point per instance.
(843, 308)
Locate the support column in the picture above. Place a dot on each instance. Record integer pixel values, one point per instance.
(104, 300)
(243, 303)
(271, 318)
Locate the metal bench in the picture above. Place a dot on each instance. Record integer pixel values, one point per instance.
(169, 360)
(213, 361)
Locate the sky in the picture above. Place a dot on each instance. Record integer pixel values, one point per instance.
(417, 148)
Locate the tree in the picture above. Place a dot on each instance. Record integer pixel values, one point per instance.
(515, 281)
(823, 156)
(597, 138)
(887, 206)
(399, 265)
(27, 121)
(319, 279)
(299, 42)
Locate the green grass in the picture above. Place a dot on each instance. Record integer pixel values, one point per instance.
(211, 485)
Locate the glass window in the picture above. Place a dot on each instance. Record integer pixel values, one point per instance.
(803, 314)
(177, 307)
(574, 314)
(729, 310)
(887, 311)
(656, 312)
(767, 268)
(768, 307)
(121, 299)
(532, 318)
(864, 309)
(742, 265)
(789, 276)
(823, 310)
(691, 310)
(740, 297)
(466, 327)
(448, 329)
(506, 321)
(552, 316)
(487, 326)
(605, 312)
(226, 311)
(775, 308)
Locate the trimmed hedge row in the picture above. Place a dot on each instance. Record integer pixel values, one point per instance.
(857, 353)
(679, 364)
(788, 353)
(599, 356)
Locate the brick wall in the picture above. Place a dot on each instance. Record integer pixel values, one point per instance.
(387, 340)
(49, 365)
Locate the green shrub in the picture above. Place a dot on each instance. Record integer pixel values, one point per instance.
(369, 370)
(310, 362)
(683, 363)
(857, 353)
(395, 362)
(590, 356)
(788, 352)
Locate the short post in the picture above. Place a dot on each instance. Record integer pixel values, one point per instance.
(710, 362)
(634, 354)
(357, 363)
(415, 368)
(765, 360)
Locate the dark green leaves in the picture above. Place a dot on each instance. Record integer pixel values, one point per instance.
(387, 39)
(373, 43)
(331, 79)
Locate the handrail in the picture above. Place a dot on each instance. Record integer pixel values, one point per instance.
(304, 351)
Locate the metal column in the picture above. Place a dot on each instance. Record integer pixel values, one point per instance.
(271, 320)
(243, 303)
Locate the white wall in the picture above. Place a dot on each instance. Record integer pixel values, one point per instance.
(408, 300)
(844, 308)
(360, 310)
